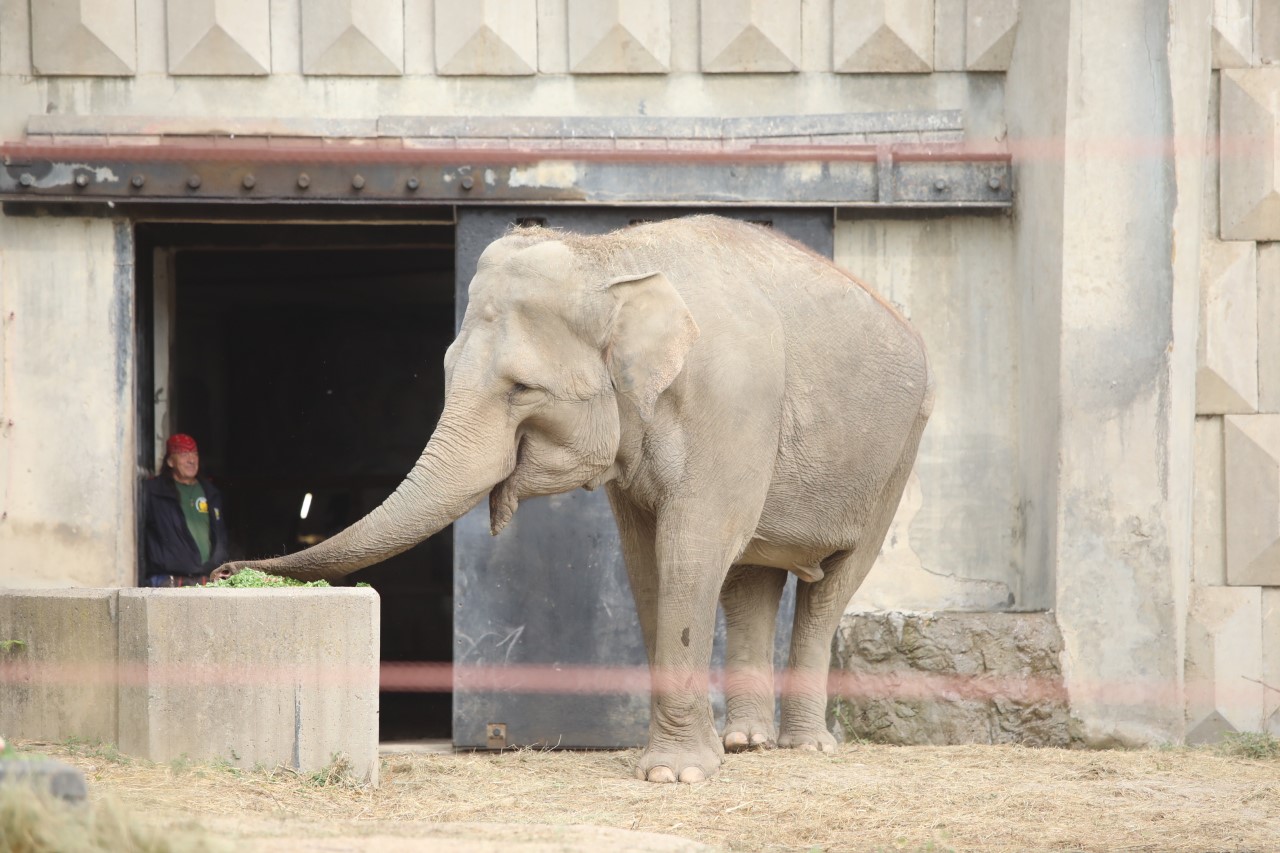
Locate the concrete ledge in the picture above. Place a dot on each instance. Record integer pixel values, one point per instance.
(280, 676)
(58, 677)
(950, 678)
(285, 676)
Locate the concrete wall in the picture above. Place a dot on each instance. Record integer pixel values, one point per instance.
(954, 544)
(58, 674)
(1112, 339)
(72, 76)
(274, 677)
(512, 58)
(67, 422)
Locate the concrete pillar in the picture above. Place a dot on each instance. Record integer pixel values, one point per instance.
(1107, 119)
(67, 403)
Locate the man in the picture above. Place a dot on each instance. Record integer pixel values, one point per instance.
(186, 535)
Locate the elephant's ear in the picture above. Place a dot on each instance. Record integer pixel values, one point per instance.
(652, 332)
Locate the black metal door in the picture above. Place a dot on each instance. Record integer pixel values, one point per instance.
(547, 645)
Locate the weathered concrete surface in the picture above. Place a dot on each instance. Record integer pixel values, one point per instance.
(1036, 110)
(1227, 351)
(1110, 342)
(1250, 200)
(1252, 499)
(1224, 663)
(1271, 660)
(278, 677)
(950, 678)
(59, 679)
(1209, 567)
(67, 422)
(954, 541)
(1269, 328)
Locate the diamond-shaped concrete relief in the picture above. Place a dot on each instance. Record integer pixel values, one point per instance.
(498, 37)
(990, 29)
(882, 36)
(1252, 451)
(353, 37)
(1269, 327)
(83, 37)
(219, 36)
(619, 36)
(1271, 660)
(1232, 38)
(1250, 198)
(743, 36)
(1227, 350)
(1224, 662)
(1209, 554)
(1266, 32)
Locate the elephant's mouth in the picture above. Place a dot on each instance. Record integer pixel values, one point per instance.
(504, 498)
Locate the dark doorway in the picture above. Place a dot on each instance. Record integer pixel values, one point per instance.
(307, 361)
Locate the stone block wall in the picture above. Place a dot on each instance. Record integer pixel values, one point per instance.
(1233, 637)
(946, 678)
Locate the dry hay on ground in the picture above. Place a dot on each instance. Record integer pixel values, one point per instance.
(863, 798)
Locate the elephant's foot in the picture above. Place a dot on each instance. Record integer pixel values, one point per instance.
(670, 760)
(812, 739)
(742, 734)
(678, 765)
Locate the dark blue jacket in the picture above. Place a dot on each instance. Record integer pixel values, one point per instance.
(169, 548)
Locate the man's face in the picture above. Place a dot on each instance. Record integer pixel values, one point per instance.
(184, 465)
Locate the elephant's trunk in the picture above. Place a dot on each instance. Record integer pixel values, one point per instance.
(454, 473)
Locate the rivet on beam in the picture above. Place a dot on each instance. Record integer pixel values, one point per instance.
(249, 181)
(304, 181)
(358, 182)
(138, 181)
(468, 182)
(412, 184)
(194, 182)
(82, 180)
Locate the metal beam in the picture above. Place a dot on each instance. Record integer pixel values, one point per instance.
(923, 176)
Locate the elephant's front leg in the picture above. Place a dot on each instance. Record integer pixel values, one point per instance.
(683, 744)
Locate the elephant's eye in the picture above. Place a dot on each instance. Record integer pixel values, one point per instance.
(522, 393)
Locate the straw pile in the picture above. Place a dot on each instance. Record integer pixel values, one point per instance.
(863, 798)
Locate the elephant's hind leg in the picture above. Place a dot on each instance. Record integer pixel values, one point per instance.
(750, 598)
(819, 607)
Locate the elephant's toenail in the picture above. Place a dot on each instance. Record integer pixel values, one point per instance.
(692, 774)
(808, 747)
(759, 738)
(661, 774)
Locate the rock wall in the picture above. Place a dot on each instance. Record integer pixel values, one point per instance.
(950, 678)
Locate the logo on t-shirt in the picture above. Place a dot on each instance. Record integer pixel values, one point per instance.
(202, 505)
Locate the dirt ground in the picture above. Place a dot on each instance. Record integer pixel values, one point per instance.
(990, 798)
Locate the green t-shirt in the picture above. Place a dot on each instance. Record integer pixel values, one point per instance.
(195, 507)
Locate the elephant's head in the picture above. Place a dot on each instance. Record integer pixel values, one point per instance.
(558, 348)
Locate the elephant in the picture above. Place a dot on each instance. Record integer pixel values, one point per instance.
(751, 410)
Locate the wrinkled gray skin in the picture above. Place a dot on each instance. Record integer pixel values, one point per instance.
(751, 410)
